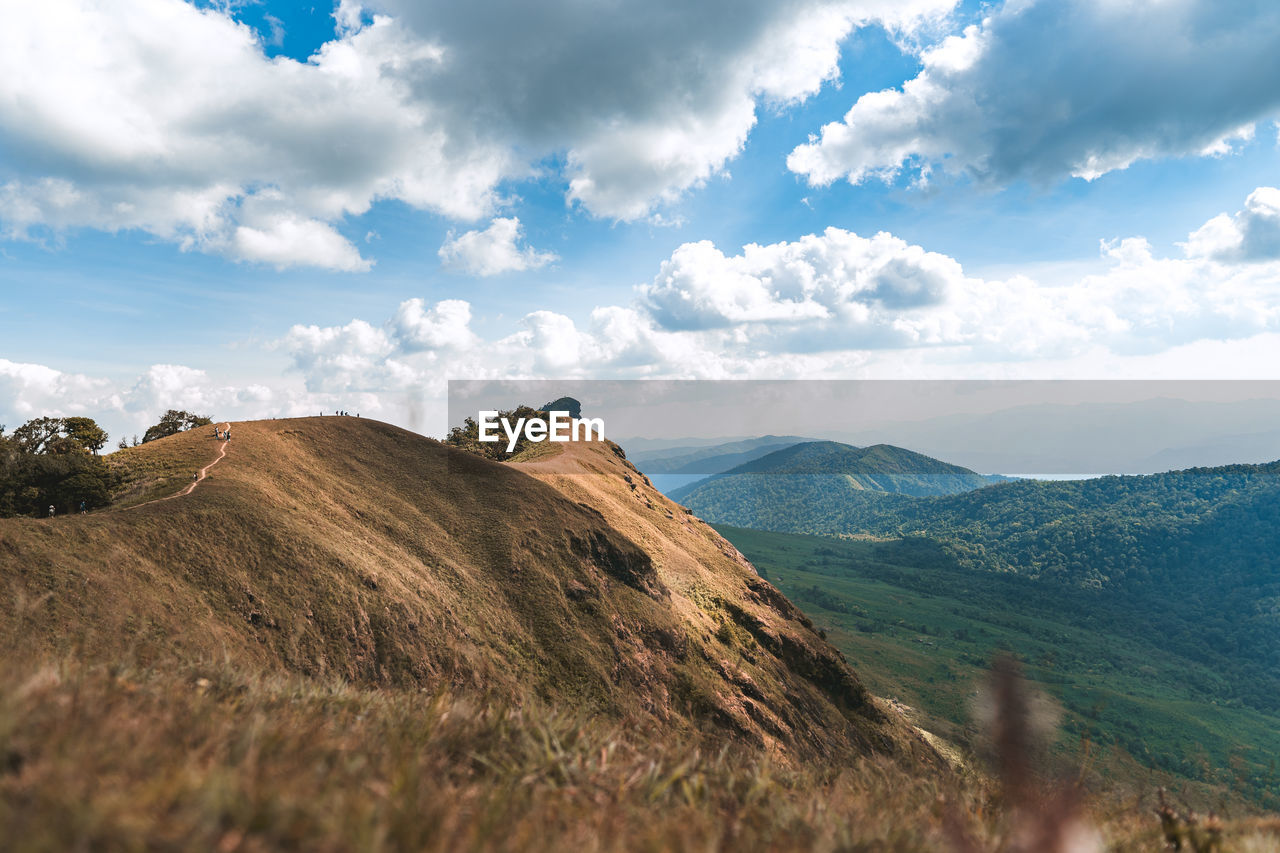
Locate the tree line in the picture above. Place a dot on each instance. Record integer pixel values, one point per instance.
(55, 462)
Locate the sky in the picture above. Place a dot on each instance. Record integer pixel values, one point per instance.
(260, 209)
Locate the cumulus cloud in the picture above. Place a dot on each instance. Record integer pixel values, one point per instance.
(1252, 234)
(826, 305)
(445, 326)
(647, 99)
(1042, 90)
(126, 407)
(495, 250)
(160, 116)
(839, 292)
(834, 276)
(289, 242)
(175, 386)
(35, 390)
(164, 117)
(353, 357)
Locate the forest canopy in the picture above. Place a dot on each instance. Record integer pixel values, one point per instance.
(53, 462)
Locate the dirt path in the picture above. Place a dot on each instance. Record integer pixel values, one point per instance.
(204, 472)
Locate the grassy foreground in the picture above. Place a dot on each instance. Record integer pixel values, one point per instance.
(209, 757)
(182, 757)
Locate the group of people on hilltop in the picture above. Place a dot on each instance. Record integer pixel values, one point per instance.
(340, 412)
(224, 434)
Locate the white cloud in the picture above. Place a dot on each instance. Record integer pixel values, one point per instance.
(176, 386)
(354, 357)
(1043, 90)
(173, 386)
(1252, 234)
(826, 305)
(554, 342)
(836, 276)
(839, 292)
(649, 99)
(446, 326)
(290, 242)
(34, 390)
(127, 408)
(159, 116)
(495, 250)
(164, 117)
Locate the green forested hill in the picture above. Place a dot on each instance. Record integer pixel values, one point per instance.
(1192, 557)
(1146, 699)
(825, 471)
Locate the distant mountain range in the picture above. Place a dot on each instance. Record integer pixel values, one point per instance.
(1141, 436)
(818, 473)
(704, 460)
(1192, 553)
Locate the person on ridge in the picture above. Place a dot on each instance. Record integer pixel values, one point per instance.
(51, 510)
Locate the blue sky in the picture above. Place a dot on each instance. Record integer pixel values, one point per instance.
(260, 209)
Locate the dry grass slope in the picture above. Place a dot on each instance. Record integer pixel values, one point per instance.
(342, 547)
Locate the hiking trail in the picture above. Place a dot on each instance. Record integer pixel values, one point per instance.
(222, 451)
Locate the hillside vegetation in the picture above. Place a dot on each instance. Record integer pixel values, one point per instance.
(175, 666)
(923, 628)
(1191, 557)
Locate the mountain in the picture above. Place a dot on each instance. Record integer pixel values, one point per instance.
(564, 404)
(348, 636)
(711, 459)
(814, 477)
(1191, 557)
(673, 469)
(343, 547)
(1150, 603)
(1140, 436)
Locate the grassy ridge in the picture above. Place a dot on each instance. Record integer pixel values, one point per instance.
(918, 625)
(345, 548)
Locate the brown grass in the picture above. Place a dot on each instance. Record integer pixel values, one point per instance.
(204, 757)
(342, 547)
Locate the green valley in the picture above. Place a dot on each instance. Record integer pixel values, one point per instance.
(921, 625)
